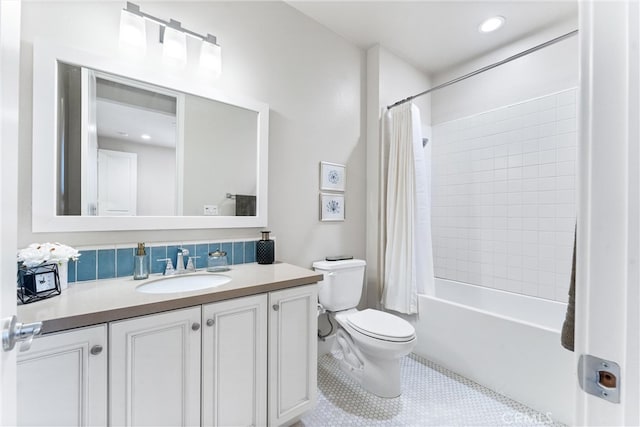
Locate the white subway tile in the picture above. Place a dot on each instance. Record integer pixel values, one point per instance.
(530, 249)
(548, 156)
(515, 161)
(567, 154)
(548, 143)
(546, 292)
(530, 224)
(567, 125)
(530, 185)
(514, 185)
(547, 211)
(546, 197)
(530, 171)
(547, 224)
(548, 170)
(567, 97)
(514, 273)
(547, 129)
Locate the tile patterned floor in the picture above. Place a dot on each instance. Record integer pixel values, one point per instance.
(432, 396)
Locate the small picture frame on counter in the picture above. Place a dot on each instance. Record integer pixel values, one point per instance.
(37, 283)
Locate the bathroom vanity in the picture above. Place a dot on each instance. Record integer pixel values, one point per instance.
(242, 353)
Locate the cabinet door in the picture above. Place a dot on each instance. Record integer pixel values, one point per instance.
(62, 379)
(154, 370)
(234, 362)
(293, 324)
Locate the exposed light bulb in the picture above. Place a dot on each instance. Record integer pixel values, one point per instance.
(491, 24)
(175, 46)
(132, 30)
(211, 58)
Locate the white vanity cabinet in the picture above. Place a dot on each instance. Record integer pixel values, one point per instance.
(234, 362)
(293, 324)
(154, 369)
(247, 361)
(62, 379)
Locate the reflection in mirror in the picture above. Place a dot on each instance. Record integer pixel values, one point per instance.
(127, 148)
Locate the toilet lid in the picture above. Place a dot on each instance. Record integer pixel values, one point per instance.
(381, 325)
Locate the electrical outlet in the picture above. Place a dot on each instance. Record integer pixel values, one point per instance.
(210, 210)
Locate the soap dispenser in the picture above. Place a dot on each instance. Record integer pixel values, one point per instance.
(140, 263)
(265, 249)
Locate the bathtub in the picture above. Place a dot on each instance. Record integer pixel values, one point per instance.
(507, 342)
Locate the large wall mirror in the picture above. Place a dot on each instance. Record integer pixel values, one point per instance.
(118, 148)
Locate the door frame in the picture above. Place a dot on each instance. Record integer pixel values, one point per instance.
(608, 233)
(9, 103)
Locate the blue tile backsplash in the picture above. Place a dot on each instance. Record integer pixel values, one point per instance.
(110, 263)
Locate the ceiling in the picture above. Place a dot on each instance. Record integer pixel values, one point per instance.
(436, 35)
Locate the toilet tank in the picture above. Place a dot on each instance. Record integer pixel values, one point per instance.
(341, 288)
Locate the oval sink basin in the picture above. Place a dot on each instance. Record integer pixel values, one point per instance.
(174, 284)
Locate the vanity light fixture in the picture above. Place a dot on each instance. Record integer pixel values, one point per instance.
(174, 49)
(172, 36)
(491, 24)
(132, 27)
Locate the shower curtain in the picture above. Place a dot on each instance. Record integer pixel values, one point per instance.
(408, 257)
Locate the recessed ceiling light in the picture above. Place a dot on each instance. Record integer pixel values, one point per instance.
(491, 24)
(145, 136)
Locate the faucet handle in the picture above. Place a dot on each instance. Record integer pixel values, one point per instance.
(191, 265)
(168, 270)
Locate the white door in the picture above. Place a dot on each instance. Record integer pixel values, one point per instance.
(9, 78)
(293, 354)
(607, 294)
(154, 369)
(117, 183)
(234, 362)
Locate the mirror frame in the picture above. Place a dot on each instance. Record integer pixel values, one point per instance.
(45, 114)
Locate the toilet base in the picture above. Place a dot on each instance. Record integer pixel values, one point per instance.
(377, 376)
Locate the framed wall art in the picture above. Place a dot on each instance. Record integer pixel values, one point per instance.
(332, 176)
(331, 207)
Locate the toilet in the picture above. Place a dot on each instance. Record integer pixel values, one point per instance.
(372, 341)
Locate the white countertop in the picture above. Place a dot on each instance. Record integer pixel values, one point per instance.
(90, 303)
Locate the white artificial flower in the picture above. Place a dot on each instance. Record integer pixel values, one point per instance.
(39, 253)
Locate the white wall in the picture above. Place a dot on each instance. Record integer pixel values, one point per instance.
(312, 79)
(549, 70)
(389, 79)
(220, 154)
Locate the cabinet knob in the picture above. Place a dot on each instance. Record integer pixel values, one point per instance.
(96, 349)
(276, 307)
(195, 326)
(210, 322)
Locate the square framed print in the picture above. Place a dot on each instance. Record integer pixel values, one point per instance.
(332, 176)
(331, 207)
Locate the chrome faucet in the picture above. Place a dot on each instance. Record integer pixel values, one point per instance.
(168, 270)
(180, 261)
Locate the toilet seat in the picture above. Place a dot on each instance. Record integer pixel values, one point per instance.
(380, 325)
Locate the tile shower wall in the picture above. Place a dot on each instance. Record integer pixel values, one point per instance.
(504, 198)
(111, 262)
